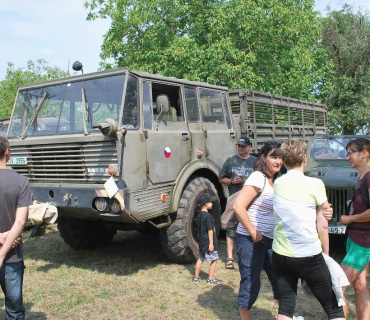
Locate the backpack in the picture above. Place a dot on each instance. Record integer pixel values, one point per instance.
(364, 192)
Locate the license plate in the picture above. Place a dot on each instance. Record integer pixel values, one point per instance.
(337, 230)
(20, 161)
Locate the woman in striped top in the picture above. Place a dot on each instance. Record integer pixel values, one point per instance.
(255, 230)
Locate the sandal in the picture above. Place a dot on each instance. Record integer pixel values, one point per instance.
(229, 264)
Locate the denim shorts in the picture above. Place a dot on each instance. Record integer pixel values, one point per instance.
(209, 256)
(231, 232)
(357, 257)
(253, 258)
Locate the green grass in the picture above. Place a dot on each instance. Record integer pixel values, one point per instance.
(133, 279)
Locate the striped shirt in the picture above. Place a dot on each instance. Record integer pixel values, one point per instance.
(260, 212)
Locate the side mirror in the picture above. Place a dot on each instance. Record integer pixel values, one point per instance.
(162, 104)
(108, 127)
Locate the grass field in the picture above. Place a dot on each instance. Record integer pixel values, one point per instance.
(133, 279)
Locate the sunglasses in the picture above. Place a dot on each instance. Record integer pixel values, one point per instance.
(274, 144)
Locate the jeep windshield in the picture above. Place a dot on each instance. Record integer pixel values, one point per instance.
(329, 148)
(73, 107)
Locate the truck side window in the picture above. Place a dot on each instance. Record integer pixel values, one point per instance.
(147, 103)
(191, 104)
(226, 110)
(130, 117)
(173, 93)
(211, 106)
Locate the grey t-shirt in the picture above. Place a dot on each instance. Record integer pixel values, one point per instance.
(236, 166)
(14, 193)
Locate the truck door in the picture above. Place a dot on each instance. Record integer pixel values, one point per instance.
(198, 137)
(220, 137)
(168, 140)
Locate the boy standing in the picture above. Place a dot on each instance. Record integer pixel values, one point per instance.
(208, 245)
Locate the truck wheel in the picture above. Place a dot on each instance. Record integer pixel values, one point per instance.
(80, 234)
(180, 239)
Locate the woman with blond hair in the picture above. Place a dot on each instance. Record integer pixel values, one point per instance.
(301, 235)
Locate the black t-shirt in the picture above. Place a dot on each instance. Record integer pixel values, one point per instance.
(236, 166)
(14, 193)
(205, 222)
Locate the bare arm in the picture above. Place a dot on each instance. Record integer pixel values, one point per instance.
(362, 217)
(14, 233)
(210, 238)
(322, 227)
(233, 180)
(244, 199)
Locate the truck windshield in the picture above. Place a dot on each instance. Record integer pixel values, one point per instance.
(67, 107)
(329, 148)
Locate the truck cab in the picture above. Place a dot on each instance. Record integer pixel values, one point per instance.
(140, 131)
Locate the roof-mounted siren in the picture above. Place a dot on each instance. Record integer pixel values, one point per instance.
(78, 66)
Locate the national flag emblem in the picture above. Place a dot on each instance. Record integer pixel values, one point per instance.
(167, 152)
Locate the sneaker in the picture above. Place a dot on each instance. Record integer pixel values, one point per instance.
(196, 280)
(214, 281)
(298, 318)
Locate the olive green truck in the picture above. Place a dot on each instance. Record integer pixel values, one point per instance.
(121, 150)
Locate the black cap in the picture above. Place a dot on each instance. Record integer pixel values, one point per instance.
(205, 198)
(244, 141)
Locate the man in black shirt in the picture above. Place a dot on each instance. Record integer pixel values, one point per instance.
(15, 198)
(234, 173)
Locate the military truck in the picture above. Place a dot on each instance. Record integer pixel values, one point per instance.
(121, 150)
(327, 161)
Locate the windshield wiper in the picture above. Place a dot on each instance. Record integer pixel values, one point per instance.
(34, 115)
(85, 111)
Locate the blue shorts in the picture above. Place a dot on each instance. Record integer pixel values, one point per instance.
(253, 258)
(209, 256)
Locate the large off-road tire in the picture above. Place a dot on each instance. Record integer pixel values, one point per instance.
(82, 234)
(180, 239)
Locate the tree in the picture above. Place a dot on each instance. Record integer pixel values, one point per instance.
(266, 45)
(35, 72)
(346, 38)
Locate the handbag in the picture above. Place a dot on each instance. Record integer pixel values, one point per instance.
(228, 218)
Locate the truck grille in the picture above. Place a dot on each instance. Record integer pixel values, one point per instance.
(66, 162)
(338, 198)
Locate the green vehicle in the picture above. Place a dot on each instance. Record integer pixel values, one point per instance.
(327, 161)
(126, 150)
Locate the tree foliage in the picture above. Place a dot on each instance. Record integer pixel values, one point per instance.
(346, 38)
(34, 72)
(265, 45)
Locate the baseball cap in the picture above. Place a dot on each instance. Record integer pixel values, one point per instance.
(205, 198)
(244, 141)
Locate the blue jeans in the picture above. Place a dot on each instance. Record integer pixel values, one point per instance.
(11, 280)
(253, 257)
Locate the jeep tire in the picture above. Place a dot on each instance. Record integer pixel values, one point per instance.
(80, 234)
(180, 239)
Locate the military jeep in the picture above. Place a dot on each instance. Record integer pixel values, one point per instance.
(327, 161)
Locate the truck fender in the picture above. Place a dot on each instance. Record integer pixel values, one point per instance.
(185, 175)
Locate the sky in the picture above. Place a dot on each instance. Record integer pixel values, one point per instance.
(57, 31)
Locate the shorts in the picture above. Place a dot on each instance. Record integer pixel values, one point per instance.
(231, 232)
(209, 256)
(357, 257)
